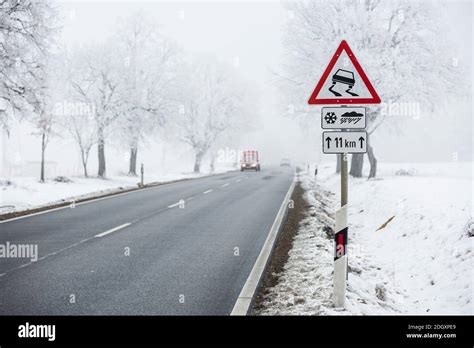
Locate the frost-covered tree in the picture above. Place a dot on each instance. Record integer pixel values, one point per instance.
(26, 33)
(212, 101)
(75, 117)
(148, 60)
(42, 119)
(50, 92)
(81, 127)
(96, 81)
(396, 42)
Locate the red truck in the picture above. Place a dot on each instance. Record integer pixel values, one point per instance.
(249, 160)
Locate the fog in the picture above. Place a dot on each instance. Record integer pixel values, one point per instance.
(248, 36)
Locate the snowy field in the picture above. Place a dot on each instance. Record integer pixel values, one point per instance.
(22, 193)
(421, 262)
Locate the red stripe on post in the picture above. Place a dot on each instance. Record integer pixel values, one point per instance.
(340, 239)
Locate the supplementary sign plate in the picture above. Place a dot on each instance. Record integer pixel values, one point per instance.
(344, 142)
(343, 118)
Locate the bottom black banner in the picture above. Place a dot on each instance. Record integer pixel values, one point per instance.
(135, 330)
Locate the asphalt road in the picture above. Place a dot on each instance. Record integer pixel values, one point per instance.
(163, 258)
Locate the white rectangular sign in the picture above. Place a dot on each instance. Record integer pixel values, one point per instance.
(342, 117)
(344, 142)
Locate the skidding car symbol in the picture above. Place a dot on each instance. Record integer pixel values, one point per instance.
(345, 77)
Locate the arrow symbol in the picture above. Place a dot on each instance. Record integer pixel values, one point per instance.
(361, 139)
(328, 140)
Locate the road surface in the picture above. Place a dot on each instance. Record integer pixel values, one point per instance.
(142, 253)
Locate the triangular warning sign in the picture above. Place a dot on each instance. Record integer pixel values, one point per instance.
(344, 81)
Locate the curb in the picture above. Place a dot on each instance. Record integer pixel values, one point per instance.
(248, 292)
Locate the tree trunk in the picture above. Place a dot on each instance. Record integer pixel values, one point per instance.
(357, 162)
(84, 157)
(43, 147)
(213, 163)
(372, 160)
(338, 165)
(197, 162)
(133, 161)
(84, 166)
(163, 158)
(101, 152)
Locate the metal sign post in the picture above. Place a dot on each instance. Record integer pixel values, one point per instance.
(344, 174)
(340, 239)
(343, 82)
(340, 246)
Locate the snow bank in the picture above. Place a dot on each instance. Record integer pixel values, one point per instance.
(421, 262)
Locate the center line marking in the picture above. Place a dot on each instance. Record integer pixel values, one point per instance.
(188, 199)
(225, 185)
(206, 192)
(173, 205)
(24, 265)
(112, 230)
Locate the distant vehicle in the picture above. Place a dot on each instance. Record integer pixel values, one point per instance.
(285, 162)
(250, 161)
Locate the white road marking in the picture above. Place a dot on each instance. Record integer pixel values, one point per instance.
(242, 305)
(67, 206)
(87, 239)
(225, 185)
(66, 248)
(238, 180)
(57, 252)
(173, 205)
(112, 230)
(82, 203)
(24, 265)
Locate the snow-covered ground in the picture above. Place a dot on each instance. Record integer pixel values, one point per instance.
(22, 193)
(420, 263)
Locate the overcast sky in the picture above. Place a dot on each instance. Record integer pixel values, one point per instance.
(248, 35)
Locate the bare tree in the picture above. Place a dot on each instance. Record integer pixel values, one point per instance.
(213, 102)
(81, 128)
(26, 33)
(42, 115)
(43, 124)
(148, 60)
(96, 82)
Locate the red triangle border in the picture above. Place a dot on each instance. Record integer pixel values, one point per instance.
(314, 96)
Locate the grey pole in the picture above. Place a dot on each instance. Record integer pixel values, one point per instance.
(344, 193)
(344, 174)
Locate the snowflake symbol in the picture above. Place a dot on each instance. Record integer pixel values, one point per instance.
(330, 117)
